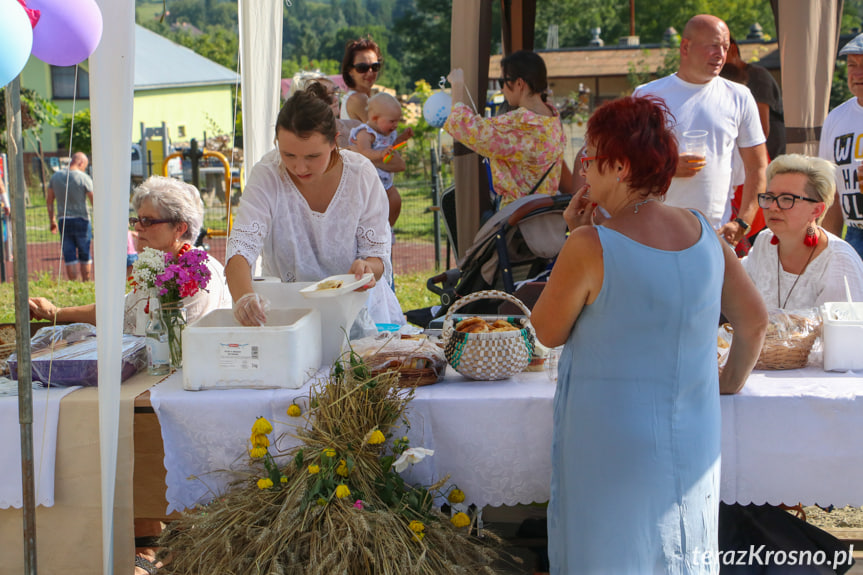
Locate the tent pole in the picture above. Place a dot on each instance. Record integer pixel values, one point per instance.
(22, 314)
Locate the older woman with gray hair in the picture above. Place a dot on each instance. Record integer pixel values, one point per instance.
(797, 264)
(169, 215)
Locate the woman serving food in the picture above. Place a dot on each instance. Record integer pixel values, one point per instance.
(309, 209)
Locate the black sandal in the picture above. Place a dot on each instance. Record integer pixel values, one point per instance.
(146, 565)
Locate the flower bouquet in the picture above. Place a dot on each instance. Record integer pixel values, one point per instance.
(171, 279)
(336, 503)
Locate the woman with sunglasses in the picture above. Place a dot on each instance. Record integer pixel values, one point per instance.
(170, 214)
(797, 264)
(525, 146)
(360, 68)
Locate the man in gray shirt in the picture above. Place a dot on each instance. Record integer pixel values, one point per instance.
(72, 188)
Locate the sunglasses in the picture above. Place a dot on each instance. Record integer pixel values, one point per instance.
(585, 161)
(147, 222)
(503, 80)
(784, 201)
(364, 67)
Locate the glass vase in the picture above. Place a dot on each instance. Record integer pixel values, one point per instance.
(174, 316)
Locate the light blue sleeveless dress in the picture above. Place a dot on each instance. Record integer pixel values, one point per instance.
(636, 444)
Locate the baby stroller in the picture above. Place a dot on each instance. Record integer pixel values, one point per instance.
(515, 247)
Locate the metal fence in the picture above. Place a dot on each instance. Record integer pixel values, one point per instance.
(420, 236)
(417, 248)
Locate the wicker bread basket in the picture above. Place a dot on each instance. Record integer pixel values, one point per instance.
(789, 340)
(488, 356)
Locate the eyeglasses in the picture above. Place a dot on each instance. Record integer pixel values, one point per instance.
(147, 222)
(784, 201)
(504, 80)
(585, 161)
(364, 67)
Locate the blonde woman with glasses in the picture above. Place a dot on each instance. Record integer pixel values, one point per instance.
(797, 264)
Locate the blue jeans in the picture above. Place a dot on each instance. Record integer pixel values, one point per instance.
(854, 236)
(77, 234)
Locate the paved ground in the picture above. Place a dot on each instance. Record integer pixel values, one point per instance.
(407, 257)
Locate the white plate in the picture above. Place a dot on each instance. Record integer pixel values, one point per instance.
(349, 284)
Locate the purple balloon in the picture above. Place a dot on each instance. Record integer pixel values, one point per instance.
(68, 30)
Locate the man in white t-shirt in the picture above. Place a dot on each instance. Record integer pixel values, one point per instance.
(700, 100)
(842, 144)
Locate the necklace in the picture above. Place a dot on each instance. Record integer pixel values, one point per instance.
(641, 203)
(794, 285)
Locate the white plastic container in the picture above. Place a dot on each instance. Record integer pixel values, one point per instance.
(219, 353)
(843, 338)
(337, 313)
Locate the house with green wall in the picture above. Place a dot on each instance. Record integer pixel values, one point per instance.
(189, 93)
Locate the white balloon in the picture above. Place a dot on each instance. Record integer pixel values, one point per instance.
(437, 108)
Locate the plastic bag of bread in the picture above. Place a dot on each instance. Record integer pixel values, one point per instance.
(787, 343)
(418, 360)
(789, 339)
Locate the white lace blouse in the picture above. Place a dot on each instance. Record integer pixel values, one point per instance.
(299, 244)
(822, 281)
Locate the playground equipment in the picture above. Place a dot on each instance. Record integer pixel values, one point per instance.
(195, 155)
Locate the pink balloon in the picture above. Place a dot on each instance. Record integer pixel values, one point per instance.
(68, 31)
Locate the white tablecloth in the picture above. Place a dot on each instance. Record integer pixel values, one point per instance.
(46, 411)
(794, 436)
(787, 437)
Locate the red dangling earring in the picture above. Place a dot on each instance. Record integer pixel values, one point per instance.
(811, 239)
(774, 241)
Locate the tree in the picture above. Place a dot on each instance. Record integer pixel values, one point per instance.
(422, 41)
(79, 128)
(575, 18)
(36, 112)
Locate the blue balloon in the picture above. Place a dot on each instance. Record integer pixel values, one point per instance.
(437, 108)
(16, 40)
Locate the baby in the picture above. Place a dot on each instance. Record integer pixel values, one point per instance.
(375, 140)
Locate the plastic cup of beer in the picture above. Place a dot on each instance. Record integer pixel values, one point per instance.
(695, 142)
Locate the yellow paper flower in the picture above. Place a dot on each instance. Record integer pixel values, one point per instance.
(314, 469)
(342, 491)
(330, 452)
(456, 496)
(417, 526)
(377, 437)
(258, 452)
(265, 483)
(460, 520)
(294, 410)
(262, 426)
(259, 440)
(342, 469)
(283, 479)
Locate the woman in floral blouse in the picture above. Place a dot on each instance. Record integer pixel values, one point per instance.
(523, 144)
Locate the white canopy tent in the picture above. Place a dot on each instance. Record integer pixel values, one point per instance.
(111, 81)
(111, 89)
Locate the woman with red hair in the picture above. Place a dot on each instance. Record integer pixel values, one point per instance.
(637, 300)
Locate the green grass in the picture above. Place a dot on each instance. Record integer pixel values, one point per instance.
(410, 290)
(412, 293)
(63, 293)
(146, 10)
